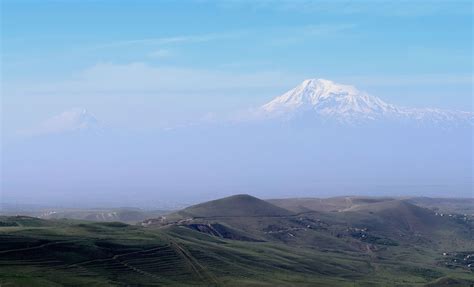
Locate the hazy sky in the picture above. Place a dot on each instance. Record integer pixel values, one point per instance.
(141, 67)
(151, 64)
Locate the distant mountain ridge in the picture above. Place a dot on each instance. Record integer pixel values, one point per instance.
(328, 100)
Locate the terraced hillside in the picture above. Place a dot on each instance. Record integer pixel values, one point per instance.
(126, 215)
(382, 243)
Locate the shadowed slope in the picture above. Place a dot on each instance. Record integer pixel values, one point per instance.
(401, 217)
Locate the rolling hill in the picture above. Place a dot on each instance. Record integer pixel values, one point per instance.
(245, 241)
(241, 205)
(406, 222)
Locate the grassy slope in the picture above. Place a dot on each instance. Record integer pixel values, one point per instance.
(37, 252)
(127, 215)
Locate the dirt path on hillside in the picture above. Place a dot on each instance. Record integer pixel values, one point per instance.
(199, 270)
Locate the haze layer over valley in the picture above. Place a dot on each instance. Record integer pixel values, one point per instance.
(318, 139)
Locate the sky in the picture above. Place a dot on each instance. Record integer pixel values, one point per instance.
(145, 65)
(138, 68)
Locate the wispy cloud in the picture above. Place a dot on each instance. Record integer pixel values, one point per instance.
(294, 31)
(140, 77)
(186, 39)
(401, 8)
(325, 29)
(160, 53)
(294, 35)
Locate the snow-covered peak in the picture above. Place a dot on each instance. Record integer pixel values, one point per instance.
(327, 86)
(326, 99)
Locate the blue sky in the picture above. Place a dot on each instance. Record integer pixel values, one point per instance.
(150, 64)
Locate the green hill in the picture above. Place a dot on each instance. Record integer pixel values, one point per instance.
(401, 214)
(241, 205)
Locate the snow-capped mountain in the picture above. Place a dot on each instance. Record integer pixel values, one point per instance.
(343, 103)
(73, 120)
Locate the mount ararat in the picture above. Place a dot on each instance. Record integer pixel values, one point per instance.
(329, 101)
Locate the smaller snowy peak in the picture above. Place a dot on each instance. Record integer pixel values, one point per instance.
(72, 120)
(76, 119)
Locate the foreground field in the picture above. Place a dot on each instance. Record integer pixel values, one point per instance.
(255, 243)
